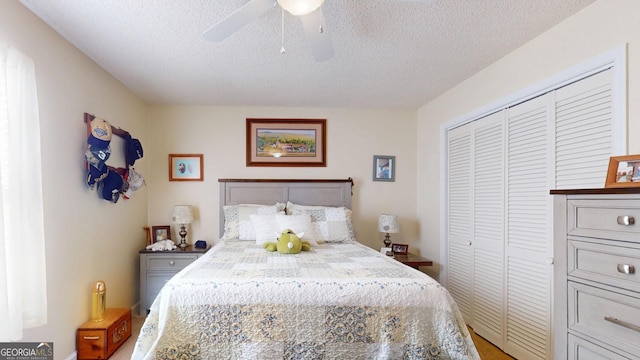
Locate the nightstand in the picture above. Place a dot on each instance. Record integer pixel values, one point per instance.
(157, 267)
(414, 261)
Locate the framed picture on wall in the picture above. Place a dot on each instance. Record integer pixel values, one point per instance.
(384, 168)
(186, 167)
(286, 142)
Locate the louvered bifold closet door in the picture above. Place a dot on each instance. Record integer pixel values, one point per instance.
(582, 156)
(459, 220)
(488, 227)
(528, 242)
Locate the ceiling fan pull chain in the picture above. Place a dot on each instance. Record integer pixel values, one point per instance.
(282, 50)
(320, 28)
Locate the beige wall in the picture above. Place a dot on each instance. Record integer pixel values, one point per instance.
(87, 239)
(353, 137)
(603, 26)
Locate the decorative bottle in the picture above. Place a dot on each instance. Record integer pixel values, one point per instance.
(98, 301)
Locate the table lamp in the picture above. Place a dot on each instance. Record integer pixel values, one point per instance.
(183, 215)
(388, 224)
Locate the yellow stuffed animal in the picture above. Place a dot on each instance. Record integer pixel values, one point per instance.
(288, 243)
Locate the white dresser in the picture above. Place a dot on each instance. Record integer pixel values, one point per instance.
(597, 274)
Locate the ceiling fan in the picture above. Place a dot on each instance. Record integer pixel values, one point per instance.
(309, 12)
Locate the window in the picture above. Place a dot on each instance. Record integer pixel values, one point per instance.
(23, 293)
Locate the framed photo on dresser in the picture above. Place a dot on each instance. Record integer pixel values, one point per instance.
(159, 233)
(623, 171)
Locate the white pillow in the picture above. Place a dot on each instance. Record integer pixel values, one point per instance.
(299, 224)
(237, 219)
(328, 224)
(266, 227)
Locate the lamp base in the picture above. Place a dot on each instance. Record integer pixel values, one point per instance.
(183, 234)
(387, 240)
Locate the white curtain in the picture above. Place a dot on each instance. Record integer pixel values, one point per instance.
(23, 292)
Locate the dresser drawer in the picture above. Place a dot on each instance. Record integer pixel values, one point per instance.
(613, 219)
(155, 283)
(605, 262)
(169, 262)
(580, 349)
(607, 316)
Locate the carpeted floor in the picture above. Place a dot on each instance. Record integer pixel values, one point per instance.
(125, 351)
(486, 350)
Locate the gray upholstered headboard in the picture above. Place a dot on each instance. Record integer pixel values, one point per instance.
(269, 191)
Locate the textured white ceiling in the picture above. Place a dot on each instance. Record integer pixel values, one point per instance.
(388, 53)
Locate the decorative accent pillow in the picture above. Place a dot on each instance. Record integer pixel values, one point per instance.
(300, 224)
(237, 219)
(328, 224)
(265, 227)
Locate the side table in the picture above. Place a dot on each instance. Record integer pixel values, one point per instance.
(157, 267)
(412, 260)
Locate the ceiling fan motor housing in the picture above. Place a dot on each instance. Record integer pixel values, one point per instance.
(300, 7)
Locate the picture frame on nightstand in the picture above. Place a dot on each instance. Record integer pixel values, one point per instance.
(159, 233)
(400, 249)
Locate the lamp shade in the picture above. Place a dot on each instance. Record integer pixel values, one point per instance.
(182, 214)
(388, 224)
(300, 7)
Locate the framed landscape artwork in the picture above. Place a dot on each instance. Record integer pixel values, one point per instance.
(286, 142)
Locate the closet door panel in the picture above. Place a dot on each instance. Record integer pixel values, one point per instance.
(583, 132)
(488, 227)
(528, 242)
(460, 220)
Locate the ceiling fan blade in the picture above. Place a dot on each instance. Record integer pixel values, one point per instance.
(239, 18)
(317, 35)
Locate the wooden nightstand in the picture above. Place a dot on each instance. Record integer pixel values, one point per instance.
(157, 267)
(414, 261)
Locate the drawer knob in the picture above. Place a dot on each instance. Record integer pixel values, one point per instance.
(626, 220)
(172, 262)
(622, 323)
(626, 269)
(469, 243)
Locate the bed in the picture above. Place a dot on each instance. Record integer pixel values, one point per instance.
(340, 300)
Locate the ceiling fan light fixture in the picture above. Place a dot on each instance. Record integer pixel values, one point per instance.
(300, 7)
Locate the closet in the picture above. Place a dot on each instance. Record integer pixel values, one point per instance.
(500, 169)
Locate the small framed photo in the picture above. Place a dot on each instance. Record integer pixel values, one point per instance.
(623, 171)
(186, 167)
(400, 249)
(384, 168)
(159, 233)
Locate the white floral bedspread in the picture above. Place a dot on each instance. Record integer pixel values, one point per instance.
(338, 301)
